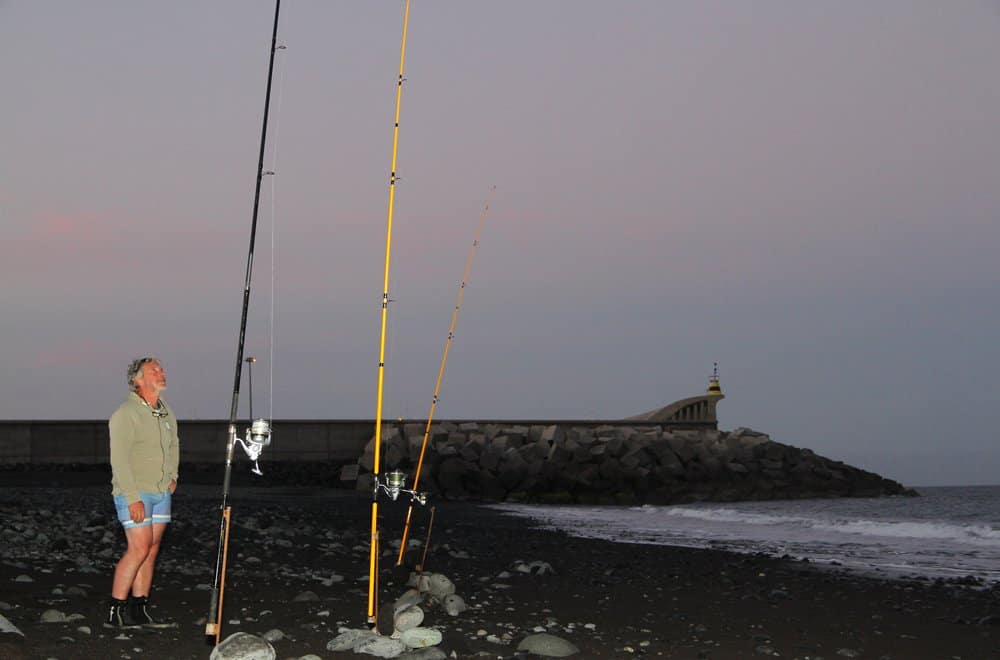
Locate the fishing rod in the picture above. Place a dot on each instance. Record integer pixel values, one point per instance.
(427, 542)
(373, 555)
(259, 435)
(440, 376)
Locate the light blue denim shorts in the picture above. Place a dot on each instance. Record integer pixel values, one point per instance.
(157, 509)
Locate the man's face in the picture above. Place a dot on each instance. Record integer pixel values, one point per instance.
(152, 377)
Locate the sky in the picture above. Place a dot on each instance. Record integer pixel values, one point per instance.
(805, 193)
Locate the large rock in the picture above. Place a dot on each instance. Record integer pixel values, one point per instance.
(419, 638)
(381, 647)
(348, 639)
(411, 617)
(243, 646)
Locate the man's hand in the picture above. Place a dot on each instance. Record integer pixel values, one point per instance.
(173, 486)
(138, 511)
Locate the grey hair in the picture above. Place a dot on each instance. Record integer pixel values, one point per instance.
(135, 368)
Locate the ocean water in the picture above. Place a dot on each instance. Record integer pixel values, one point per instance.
(949, 532)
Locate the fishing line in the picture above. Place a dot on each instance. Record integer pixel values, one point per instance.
(274, 226)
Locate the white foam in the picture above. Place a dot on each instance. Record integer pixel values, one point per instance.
(979, 535)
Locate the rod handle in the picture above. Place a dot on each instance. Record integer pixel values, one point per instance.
(212, 626)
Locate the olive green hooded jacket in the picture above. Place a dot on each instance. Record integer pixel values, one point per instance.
(145, 449)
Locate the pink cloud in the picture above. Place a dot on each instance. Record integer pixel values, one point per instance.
(72, 353)
(87, 227)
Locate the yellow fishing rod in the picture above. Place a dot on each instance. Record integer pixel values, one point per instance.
(373, 555)
(444, 360)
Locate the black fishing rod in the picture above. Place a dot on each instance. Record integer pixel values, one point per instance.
(260, 433)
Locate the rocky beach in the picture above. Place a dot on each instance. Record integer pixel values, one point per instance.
(298, 571)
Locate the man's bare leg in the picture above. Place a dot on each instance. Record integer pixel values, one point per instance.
(140, 540)
(143, 581)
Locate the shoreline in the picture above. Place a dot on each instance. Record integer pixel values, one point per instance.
(880, 559)
(610, 599)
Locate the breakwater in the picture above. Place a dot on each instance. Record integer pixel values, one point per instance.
(614, 464)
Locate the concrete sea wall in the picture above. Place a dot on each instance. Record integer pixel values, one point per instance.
(85, 442)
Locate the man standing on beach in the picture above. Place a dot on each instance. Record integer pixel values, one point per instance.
(145, 453)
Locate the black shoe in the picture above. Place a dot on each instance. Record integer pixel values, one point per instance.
(137, 610)
(139, 613)
(119, 615)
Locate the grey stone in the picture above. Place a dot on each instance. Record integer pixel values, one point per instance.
(454, 604)
(409, 618)
(430, 653)
(348, 639)
(410, 596)
(243, 646)
(53, 616)
(419, 638)
(381, 647)
(547, 645)
(439, 585)
(7, 627)
(534, 568)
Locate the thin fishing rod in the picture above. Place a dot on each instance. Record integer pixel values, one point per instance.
(427, 543)
(444, 360)
(212, 627)
(373, 555)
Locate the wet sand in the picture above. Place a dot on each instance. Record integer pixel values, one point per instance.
(611, 600)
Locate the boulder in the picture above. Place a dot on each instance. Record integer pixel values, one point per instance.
(243, 646)
(419, 638)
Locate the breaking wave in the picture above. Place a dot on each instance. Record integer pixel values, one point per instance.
(947, 532)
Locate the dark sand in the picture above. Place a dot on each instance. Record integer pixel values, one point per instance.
(611, 600)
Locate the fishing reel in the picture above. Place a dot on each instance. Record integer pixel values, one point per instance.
(258, 437)
(393, 486)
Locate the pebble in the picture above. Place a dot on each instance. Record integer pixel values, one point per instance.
(548, 645)
(53, 616)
